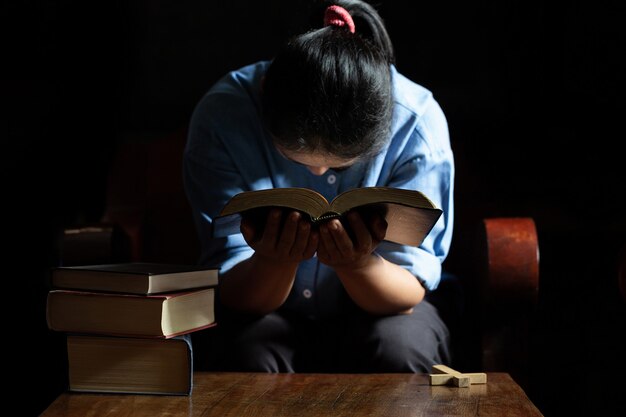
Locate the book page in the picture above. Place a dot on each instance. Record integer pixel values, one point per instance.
(301, 199)
(408, 225)
(360, 196)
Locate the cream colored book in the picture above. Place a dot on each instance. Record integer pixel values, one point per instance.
(158, 316)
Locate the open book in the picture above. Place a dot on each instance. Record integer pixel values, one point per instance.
(410, 215)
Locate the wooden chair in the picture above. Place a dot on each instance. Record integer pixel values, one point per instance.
(490, 298)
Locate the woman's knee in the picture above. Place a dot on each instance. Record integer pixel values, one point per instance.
(263, 344)
(406, 343)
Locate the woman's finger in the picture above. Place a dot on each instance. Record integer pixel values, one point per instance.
(312, 245)
(327, 240)
(361, 232)
(288, 233)
(272, 229)
(342, 239)
(303, 229)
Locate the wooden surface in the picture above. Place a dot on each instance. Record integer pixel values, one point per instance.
(276, 395)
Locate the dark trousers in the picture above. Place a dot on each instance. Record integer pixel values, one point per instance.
(352, 342)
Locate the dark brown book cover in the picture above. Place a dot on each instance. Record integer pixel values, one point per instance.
(134, 277)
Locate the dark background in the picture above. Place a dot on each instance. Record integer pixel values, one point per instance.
(533, 92)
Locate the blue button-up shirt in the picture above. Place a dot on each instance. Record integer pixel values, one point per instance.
(229, 151)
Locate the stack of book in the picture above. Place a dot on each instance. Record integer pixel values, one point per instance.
(128, 325)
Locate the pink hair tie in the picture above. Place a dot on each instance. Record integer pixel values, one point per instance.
(338, 16)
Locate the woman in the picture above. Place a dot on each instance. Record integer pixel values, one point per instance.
(330, 112)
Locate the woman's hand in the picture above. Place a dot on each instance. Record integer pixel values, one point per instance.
(261, 283)
(288, 241)
(338, 250)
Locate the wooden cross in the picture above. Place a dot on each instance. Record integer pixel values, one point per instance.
(442, 375)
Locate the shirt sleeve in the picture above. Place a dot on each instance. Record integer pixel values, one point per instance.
(211, 176)
(426, 164)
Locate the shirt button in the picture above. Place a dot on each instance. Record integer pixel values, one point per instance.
(307, 293)
(331, 179)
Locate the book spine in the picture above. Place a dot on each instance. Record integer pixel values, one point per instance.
(324, 218)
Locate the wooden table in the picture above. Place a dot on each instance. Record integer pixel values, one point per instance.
(295, 395)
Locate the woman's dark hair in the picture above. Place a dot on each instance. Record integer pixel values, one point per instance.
(329, 90)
